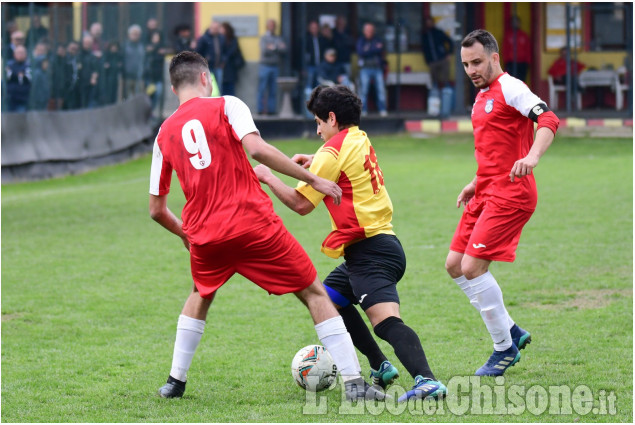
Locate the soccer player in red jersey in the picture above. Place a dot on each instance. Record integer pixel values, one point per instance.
(374, 260)
(502, 196)
(229, 225)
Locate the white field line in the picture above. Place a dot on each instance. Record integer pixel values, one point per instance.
(73, 189)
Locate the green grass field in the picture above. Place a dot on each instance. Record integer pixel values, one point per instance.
(92, 288)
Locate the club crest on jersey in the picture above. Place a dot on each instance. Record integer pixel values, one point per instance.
(489, 106)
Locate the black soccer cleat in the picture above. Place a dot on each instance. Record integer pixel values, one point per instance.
(172, 389)
(358, 389)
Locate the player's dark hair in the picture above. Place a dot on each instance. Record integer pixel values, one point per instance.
(481, 36)
(185, 68)
(340, 100)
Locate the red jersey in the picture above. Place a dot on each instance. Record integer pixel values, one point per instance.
(523, 46)
(201, 141)
(503, 134)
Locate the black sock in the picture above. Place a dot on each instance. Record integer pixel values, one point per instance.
(406, 344)
(361, 336)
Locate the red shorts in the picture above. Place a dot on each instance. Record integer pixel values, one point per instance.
(489, 231)
(270, 257)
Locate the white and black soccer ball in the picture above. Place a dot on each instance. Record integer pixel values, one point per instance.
(313, 368)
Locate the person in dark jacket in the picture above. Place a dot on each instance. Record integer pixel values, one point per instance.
(370, 51)
(133, 61)
(437, 50)
(112, 68)
(183, 39)
(344, 44)
(154, 68)
(210, 46)
(71, 84)
(89, 69)
(332, 72)
(41, 82)
(58, 76)
(18, 80)
(233, 59)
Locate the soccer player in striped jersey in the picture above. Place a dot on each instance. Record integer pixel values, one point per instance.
(502, 196)
(362, 233)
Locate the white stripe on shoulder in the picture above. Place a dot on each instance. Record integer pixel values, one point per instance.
(239, 116)
(155, 169)
(517, 94)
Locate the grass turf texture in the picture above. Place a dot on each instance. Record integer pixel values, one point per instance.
(92, 287)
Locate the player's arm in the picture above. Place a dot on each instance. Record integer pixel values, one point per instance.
(288, 195)
(160, 213)
(270, 156)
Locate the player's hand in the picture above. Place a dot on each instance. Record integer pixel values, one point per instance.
(466, 194)
(328, 188)
(262, 172)
(523, 167)
(303, 159)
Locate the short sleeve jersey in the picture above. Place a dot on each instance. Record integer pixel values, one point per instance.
(201, 142)
(503, 134)
(349, 159)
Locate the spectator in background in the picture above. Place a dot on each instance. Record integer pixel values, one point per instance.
(154, 68)
(58, 76)
(210, 46)
(183, 39)
(517, 50)
(332, 72)
(233, 60)
(18, 80)
(41, 82)
(314, 49)
(112, 68)
(370, 51)
(36, 32)
(327, 36)
(437, 50)
(152, 26)
(71, 92)
(558, 70)
(133, 61)
(89, 69)
(96, 31)
(17, 39)
(272, 48)
(343, 43)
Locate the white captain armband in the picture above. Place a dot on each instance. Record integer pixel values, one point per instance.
(537, 110)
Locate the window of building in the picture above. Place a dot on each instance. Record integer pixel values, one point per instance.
(608, 29)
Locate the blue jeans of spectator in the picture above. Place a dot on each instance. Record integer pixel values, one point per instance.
(267, 82)
(376, 75)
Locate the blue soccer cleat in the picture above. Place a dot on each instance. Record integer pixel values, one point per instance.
(425, 388)
(385, 376)
(499, 361)
(520, 337)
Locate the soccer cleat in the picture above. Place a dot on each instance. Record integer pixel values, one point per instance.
(425, 388)
(358, 389)
(172, 389)
(385, 376)
(499, 361)
(520, 337)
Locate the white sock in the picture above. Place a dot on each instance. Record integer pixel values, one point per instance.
(490, 299)
(465, 286)
(188, 334)
(336, 339)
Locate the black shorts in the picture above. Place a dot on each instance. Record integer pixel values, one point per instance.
(369, 274)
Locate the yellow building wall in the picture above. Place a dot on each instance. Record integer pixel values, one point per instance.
(248, 45)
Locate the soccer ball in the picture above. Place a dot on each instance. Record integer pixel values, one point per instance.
(313, 368)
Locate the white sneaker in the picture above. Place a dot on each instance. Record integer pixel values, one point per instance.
(383, 113)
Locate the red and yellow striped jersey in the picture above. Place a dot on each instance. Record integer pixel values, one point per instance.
(349, 159)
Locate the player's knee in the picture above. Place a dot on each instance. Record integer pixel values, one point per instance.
(383, 328)
(453, 266)
(472, 269)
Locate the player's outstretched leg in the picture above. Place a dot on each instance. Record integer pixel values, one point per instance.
(189, 331)
(332, 332)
